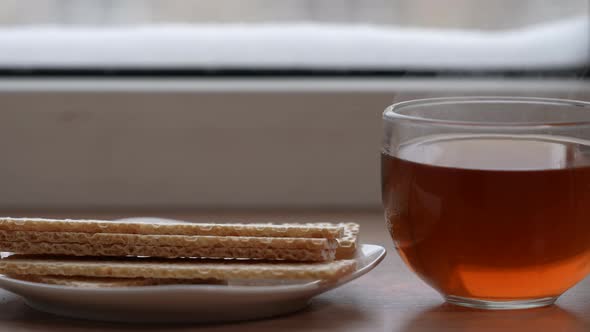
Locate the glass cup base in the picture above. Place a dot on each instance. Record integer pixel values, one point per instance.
(500, 305)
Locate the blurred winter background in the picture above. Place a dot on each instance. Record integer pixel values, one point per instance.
(499, 14)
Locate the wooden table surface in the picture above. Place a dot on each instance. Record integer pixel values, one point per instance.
(390, 298)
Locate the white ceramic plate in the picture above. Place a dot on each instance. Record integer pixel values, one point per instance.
(183, 303)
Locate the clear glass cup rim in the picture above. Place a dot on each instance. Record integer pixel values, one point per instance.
(392, 112)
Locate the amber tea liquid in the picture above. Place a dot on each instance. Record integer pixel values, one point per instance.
(491, 217)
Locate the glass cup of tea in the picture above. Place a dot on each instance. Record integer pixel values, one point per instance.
(487, 199)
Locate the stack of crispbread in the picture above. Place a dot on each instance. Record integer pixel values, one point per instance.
(127, 253)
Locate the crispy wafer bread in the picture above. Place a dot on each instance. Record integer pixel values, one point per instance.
(171, 228)
(197, 241)
(18, 237)
(348, 243)
(108, 282)
(92, 249)
(135, 267)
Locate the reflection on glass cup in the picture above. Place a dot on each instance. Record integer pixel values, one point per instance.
(488, 198)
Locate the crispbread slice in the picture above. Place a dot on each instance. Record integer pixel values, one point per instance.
(109, 282)
(135, 267)
(91, 249)
(197, 241)
(348, 243)
(171, 228)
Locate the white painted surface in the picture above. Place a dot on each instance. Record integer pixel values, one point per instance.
(190, 144)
